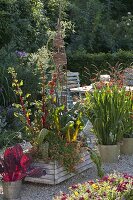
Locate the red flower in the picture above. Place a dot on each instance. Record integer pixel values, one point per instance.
(52, 83)
(105, 178)
(121, 187)
(88, 191)
(64, 196)
(81, 198)
(74, 187)
(91, 182)
(52, 91)
(112, 180)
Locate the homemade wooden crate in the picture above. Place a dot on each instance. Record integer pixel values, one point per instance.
(55, 173)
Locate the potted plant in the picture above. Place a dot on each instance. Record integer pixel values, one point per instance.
(62, 135)
(51, 128)
(15, 166)
(105, 108)
(126, 146)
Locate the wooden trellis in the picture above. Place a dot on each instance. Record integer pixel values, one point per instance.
(60, 60)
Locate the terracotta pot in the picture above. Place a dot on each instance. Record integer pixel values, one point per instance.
(11, 190)
(127, 146)
(109, 153)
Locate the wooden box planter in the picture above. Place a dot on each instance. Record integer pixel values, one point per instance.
(55, 173)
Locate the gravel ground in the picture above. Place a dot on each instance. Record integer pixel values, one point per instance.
(47, 192)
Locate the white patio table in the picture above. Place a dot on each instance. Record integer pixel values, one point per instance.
(89, 88)
(82, 90)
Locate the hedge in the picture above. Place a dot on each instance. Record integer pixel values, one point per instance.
(81, 61)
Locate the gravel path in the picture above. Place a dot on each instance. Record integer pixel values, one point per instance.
(46, 192)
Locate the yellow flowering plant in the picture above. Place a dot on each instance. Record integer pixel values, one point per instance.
(111, 187)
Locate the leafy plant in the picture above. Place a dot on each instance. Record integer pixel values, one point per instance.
(66, 123)
(68, 154)
(97, 161)
(15, 165)
(107, 110)
(128, 123)
(37, 117)
(3, 123)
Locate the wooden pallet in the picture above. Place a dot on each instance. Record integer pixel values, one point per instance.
(55, 173)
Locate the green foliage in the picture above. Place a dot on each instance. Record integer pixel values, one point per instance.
(100, 26)
(67, 124)
(68, 154)
(9, 138)
(97, 161)
(3, 123)
(24, 23)
(128, 123)
(92, 62)
(108, 109)
(10, 127)
(42, 136)
(7, 95)
(87, 17)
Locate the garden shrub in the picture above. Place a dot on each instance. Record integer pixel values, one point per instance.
(10, 127)
(91, 63)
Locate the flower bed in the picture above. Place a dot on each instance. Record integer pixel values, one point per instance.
(114, 186)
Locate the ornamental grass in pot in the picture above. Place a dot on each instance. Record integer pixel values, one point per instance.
(126, 146)
(15, 166)
(106, 109)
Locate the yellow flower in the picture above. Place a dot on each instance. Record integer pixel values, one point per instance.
(95, 186)
(76, 193)
(108, 187)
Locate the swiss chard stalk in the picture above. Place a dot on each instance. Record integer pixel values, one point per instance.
(17, 88)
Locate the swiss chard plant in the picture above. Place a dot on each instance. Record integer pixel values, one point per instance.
(15, 165)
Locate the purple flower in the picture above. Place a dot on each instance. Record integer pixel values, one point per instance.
(104, 194)
(88, 191)
(64, 196)
(81, 198)
(125, 175)
(121, 187)
(74, 187)
(91, 182)
(21, 54)
(105, 178)
(112, 180)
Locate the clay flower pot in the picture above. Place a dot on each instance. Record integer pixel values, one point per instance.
(109, 153)
(127, 146)
(11, 190)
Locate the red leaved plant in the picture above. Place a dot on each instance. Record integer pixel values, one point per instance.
(15, 165)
